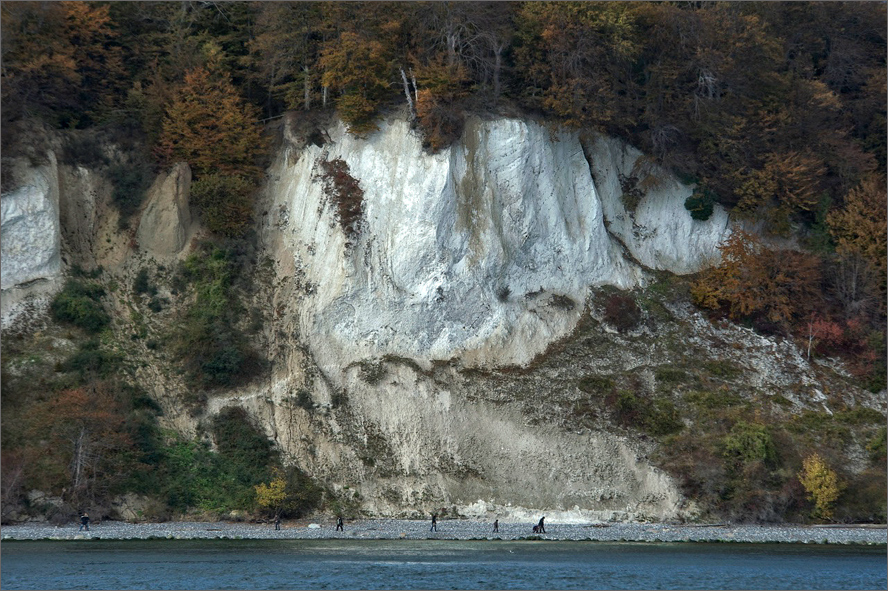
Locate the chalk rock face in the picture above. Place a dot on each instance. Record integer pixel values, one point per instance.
(29, 234)
(485, 250)
(163, 229)
(659, 233)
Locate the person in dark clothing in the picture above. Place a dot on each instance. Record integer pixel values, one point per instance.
(540, 526)
(496, 526)
(339, 524)
(84, 521)
(277, 522)
(434, 522)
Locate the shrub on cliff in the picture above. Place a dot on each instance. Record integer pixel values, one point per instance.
(209, 339)
(79, 303)
(226, 203)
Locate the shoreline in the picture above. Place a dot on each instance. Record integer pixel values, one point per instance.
(453, 530)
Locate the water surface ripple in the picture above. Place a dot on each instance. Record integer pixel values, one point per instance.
(433, 564)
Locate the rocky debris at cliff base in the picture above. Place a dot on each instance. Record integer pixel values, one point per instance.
(391, 529)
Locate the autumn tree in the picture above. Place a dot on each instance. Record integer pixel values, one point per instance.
(271, 496)
(83, 439)
(859, 228)
(357, 69)
(753, 281)
(574, 57)
(59, 56)
(211, 128)
(822, 485)
(284, 53)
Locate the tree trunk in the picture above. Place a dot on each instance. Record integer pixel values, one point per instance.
(497, 64)
(407, 93)
(79, 459)
(415, 88)
(324, 98)
(307, 88)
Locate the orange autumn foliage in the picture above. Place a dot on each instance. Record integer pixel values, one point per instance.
(211, 128)
(860, 227)
(753, 281)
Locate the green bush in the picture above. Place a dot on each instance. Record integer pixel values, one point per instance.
(214, 350)
(142, 283)
(748, 442)
(243, 444)
(700, 204)
(595, 384)
(130, 182)
(663, 418)
(79, 303)
(670, 375)
(878, 446)
(91, 361)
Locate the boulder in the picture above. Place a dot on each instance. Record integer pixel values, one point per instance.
(163, 229)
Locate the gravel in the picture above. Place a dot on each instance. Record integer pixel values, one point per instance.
(389, 529)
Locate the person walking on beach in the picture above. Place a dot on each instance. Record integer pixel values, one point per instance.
(540, 527)
(339, 523)
(496, 526)
(277, 522)
(434, 522)
(84, 521)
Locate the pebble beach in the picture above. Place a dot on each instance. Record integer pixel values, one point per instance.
(457, 529)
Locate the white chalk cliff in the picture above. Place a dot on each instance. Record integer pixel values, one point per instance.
(463, 253)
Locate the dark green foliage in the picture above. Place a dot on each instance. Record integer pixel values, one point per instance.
(663, 418)
(722, 369)
(241, 442)
(670, 376)
(226, 203)
(656, 417)
(304, 494)
(156, 304)
(303, 400)
(91, 361)
(194, 477)
(214, 349)
(85, 149)
(700, 204)
(595, 384)
(79, 303)
(878, 446)
(748, 442)
(142, 283)
(130, 181)
(860, 415)
(713, 400)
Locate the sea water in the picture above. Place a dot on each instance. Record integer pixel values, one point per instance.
(400, 564)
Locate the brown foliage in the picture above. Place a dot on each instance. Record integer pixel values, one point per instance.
(346, 193)
(226, 203)
(81, 433)
(753, 281)
(860, 227)
(208, 126)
